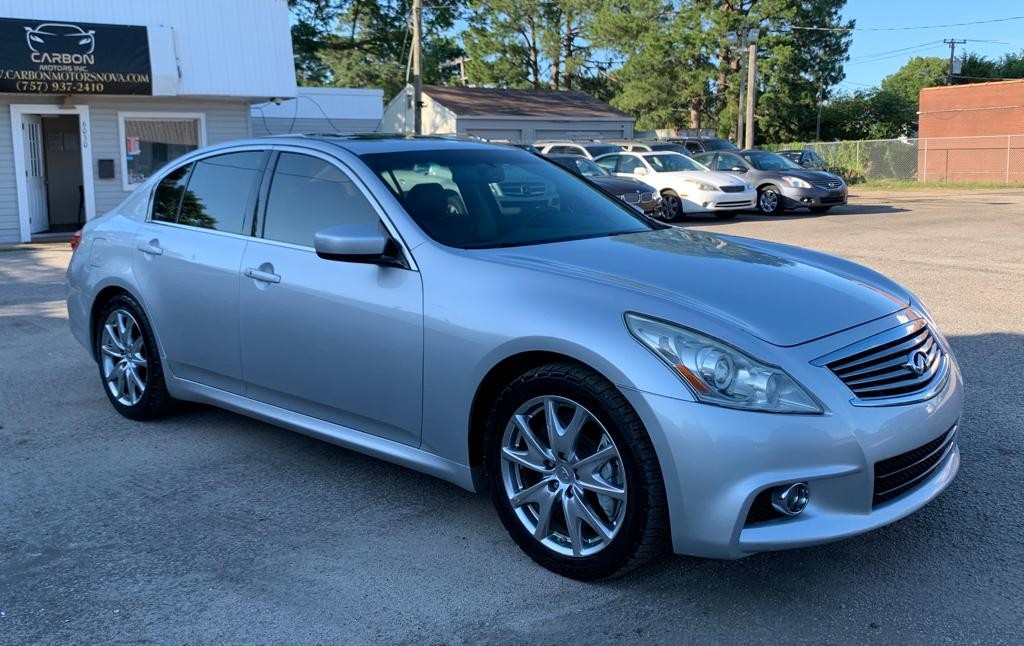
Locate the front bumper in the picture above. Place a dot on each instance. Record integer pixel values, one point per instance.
(716, 460)
(704, 201)
(813, 197)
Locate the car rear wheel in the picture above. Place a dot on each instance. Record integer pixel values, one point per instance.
(672, 205)
(573, 474)
(770, 201)
(129, 362)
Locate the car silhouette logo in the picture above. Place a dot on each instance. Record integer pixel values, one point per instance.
(60, 38)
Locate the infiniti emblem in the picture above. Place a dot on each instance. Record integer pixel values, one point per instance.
(917, 363)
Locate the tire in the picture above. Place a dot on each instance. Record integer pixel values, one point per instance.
(820, 209)
(672, 206)
(127, 356)
(611, 450)
(770, 200)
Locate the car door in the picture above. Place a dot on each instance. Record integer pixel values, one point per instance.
(338, 341)
(186, 260)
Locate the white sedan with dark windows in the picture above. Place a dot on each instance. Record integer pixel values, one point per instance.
(685, 185)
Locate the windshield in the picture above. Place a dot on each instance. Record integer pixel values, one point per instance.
(602, 149)
(672, 162)
(769, 161)
(718, 144)
(481, 198)
(587, 168)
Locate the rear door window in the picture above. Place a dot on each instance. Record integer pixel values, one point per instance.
(168, 194)
(222, 191)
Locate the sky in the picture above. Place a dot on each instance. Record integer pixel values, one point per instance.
(873, 54)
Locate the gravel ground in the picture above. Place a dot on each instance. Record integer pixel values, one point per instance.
(208, 527)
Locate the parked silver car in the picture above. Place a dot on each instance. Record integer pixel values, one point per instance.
(618, 385)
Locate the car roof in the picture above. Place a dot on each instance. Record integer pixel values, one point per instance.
(360, 144)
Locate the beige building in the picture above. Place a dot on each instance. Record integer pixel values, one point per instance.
(517, 116)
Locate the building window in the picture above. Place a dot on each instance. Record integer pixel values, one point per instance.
(150, 140)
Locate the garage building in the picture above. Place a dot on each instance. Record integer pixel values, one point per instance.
(96, 96)
(517, 116)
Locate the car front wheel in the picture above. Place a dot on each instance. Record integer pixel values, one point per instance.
(672, 205)
(770, 201)
(573, 474)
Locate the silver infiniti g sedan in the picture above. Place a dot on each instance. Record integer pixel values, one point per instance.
(618, 386)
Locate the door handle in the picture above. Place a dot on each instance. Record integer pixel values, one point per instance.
(152, 248)
(262, 276)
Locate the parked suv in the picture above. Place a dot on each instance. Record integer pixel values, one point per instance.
(590, 150)
(695, 145)
(781, 184)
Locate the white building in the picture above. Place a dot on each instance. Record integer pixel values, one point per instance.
(96, 95)
(517, 116)
(338, 110)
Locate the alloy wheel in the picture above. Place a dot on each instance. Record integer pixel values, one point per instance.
(563, 476)
(123, 350)
(768, 201)
(673, 207)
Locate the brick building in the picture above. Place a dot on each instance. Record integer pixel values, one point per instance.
(972, 133)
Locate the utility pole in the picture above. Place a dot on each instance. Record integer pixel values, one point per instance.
(740, 109)
(952, 42)
(417, 66)
(751, 87)
(821, 99)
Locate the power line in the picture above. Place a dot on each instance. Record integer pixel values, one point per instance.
(956, 24)
(893, 51)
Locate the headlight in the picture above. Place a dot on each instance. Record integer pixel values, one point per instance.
(719, 373)
(795, 182)
(704, 186)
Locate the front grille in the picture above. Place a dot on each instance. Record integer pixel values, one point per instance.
(735, 203)
(526, 189)
(897, 475)
(833, 200)
(830, 184)
(647, 197)
(732, 189)
(900, 366)
(631, 198)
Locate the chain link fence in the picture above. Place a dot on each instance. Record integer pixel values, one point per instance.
(991, 159)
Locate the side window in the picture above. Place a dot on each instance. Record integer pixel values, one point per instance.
(308, 194)
(628, 164)
(168, 194)
(726, 162)
(608, 163)
(221, 190)
(694, 147)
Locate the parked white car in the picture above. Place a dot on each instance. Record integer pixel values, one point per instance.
(685, 185)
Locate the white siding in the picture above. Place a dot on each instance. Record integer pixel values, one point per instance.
(238, 48)
(280, 126)
(225, 120)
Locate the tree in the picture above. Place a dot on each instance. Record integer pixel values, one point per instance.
(357, 43)
(665, 75)
(916, 74)
(528, 43)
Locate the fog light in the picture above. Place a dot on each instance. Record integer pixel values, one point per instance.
(790, 499)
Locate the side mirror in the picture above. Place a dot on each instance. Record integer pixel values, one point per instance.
(356, 243)
(738, 169)
(640, 171)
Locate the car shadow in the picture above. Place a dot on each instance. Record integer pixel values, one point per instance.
(801, 214)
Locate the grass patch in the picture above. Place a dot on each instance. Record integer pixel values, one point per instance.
(911, 185)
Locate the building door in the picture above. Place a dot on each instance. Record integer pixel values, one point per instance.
(35, 172)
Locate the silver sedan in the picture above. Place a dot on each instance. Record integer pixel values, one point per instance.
(619, 386)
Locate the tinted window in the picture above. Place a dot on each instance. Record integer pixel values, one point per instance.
(694, 147)
(608, 162)
(566, 150)
(769, 161)
(719, 144)
(669, 162)
(168, 194)
(628, 164)
(728, 162)
(308, 194)
(505, 198)
(676, 148)
(602, 149)
(588, 168)
(221, 190)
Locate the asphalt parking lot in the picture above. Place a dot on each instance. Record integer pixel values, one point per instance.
(208, 527)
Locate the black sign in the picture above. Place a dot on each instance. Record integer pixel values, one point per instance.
(60, 57)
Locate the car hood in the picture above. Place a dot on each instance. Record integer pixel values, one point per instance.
(620, 184)
(783, 295)
(809, 175)
(710, 176)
